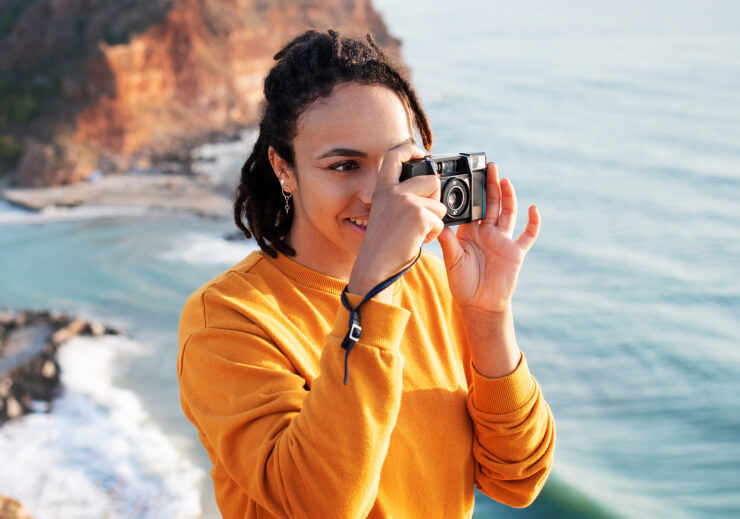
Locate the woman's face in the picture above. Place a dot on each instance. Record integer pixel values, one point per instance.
(339, 148)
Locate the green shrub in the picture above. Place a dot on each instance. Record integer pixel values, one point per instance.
(23, 108)
(6, 23)
(10, 15)
(112, 38)
(20, 100)
(10, 150)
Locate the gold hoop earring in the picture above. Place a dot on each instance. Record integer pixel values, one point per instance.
(287, 194)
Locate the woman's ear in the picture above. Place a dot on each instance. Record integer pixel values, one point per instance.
(282, 170)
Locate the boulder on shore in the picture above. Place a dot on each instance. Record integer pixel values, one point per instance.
(29, 371)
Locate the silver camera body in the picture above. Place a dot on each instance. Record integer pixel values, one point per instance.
(463, 182)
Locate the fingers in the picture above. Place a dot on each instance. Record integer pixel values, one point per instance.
(527, 238)
(451, 248)
(428, 186)
(507, 218)
(437, 227)
(501, 203)
(429, 214)
(434, 206)
(390, 171)
(493, 193)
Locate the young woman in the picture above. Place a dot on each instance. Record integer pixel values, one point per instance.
(302, 413)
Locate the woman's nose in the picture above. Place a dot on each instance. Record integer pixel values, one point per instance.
(368, 187)
(366, 197)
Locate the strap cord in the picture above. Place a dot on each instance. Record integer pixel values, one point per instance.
(354, 327)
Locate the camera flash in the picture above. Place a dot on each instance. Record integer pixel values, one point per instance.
(477, 160)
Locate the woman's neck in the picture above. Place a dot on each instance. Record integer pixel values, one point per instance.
(315, 257)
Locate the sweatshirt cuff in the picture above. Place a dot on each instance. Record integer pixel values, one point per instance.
(382, 324)
(504, 394)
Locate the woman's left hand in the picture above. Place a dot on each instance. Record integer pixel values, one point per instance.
(483, 260)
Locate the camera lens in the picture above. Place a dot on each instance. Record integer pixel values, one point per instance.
(455, 197)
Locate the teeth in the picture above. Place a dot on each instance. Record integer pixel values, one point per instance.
(361, 223)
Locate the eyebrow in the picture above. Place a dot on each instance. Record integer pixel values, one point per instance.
(349, 152)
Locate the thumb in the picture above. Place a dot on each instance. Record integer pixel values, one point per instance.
(451, 248)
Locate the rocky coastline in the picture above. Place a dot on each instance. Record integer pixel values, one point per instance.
(111, 104)
(29, 370)
(200, 182)
(174, 193)
(123, 86)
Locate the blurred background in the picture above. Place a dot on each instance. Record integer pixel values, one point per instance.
(620, 120)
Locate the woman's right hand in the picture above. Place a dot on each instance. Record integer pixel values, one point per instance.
(403, 216)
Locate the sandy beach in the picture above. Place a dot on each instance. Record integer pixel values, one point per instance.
(177, 193)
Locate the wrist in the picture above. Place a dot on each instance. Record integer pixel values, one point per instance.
(365, 277)
(361, 288)
(493, 344)
(482, 315)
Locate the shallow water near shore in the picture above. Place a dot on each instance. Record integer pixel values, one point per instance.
(98, 451)
(621, 127)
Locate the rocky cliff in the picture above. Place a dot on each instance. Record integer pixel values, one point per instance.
(127, 84)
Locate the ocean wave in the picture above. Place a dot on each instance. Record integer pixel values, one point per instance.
(98, 453)
(221, 162)
(10, 214)
(599, 493)
(205, 249)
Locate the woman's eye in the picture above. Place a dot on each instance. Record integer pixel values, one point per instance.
(346, 165)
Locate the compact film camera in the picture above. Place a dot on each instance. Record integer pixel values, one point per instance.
(463, 179)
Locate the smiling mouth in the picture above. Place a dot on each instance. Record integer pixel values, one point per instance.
(358, 222)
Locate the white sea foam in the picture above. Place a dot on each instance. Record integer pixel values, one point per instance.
(609, 490)
(221, 162)
(199, 248)
(10, 214)
(6, 206)
(98, 453)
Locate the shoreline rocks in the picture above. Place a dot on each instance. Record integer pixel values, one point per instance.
(178, 193)
(29, 371)
(120, 86)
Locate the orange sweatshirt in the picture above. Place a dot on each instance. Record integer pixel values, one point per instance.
(261, 373)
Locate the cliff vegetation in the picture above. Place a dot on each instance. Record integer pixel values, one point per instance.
(121, 85)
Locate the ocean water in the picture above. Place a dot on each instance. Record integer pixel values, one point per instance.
(620, 122)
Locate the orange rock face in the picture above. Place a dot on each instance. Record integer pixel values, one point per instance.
(12, 509)
(197, 73)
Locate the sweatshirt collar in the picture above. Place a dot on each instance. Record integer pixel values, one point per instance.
(311, 278)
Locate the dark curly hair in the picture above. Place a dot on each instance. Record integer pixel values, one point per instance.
(308, 68)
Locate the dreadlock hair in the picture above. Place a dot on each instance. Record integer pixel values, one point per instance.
(307, 69)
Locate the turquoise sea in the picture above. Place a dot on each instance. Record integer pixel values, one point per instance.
(620, 121)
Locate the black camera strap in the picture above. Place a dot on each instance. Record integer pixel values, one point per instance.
(355, 329)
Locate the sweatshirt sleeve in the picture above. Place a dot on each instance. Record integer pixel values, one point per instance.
(514, 435)
(295, 452)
